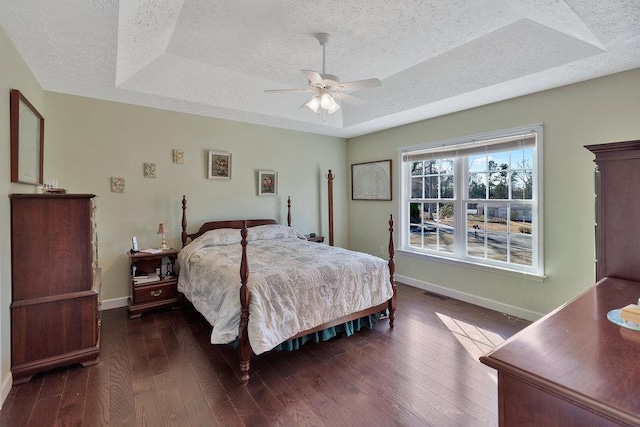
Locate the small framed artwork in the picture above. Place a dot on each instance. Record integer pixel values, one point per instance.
(118, 184)
(149, 170)
(219, 165)
(178, 157)
(371, 180)
(267, 183)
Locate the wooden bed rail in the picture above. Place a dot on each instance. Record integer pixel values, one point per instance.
(392, 272)
(330, 177)
(184, 221)
(244, 347)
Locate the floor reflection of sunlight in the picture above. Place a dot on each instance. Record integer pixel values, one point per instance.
(475, 340)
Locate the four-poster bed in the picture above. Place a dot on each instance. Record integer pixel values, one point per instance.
(297, 288)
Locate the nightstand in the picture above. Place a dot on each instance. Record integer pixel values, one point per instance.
(149, 290)
(317, 239)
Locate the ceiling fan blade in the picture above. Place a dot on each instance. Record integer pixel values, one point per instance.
(349, 99)
(358, 84)
(290, 90)
(314, 77)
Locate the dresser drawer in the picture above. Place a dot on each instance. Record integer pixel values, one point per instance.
(159, 292)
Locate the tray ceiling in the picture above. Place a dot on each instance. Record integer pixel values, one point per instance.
(216, 58)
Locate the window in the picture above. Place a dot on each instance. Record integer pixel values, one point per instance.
(475, 199)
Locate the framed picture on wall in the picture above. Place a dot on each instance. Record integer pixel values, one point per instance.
(178, 157)
(371, 180)
(219, 165)
(267, 183)
(27, 141)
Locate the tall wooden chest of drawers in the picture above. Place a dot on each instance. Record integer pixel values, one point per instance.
(55, 283)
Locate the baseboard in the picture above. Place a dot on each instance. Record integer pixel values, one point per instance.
(472, 299)
(6, 388)
(114, 303)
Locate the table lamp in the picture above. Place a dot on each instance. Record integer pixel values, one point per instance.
(162, 229)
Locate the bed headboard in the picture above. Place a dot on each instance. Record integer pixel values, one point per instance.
(233, 223)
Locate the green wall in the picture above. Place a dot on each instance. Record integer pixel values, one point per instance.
(89, 141)
(596, 111)
(14, 74)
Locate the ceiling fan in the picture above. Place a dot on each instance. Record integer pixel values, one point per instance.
(327, 87)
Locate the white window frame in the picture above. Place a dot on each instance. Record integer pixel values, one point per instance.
(460, 185)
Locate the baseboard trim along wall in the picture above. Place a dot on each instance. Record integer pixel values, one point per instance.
(114, 303)
(472, 299)
(462, 296)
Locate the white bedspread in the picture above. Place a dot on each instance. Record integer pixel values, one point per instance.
(295, 285)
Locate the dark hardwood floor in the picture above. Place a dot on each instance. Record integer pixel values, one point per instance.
(161, 370)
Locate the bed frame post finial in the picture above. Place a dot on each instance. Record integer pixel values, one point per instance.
(289, 211)
(184, 220)
(330, 177)
(244, 347)
(392, 270)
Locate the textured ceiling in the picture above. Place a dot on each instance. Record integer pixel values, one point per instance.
(216, 58)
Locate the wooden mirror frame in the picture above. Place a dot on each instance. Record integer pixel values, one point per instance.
(27, 141)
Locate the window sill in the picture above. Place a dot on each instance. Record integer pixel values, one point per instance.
(479, 266)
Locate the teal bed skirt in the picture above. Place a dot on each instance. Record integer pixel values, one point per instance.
(349, 328)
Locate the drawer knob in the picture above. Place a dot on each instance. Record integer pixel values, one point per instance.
(156, 293)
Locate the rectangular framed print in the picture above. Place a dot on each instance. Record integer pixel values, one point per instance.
(267, 183)
(219, 165)
(371, 180)
(27, 141)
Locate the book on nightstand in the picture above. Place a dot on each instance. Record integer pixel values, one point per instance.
(152, 277)
(151, 251)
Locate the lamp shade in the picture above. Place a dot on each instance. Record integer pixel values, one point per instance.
(162, 229)
(313, 103)
(333, 108)
(326, 100)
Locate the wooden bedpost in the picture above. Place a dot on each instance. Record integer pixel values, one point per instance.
(330, 183)
(244, 348)
(392, 270)
(289, 211)
(184, 220)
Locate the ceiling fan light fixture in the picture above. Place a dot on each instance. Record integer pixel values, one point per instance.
(314, 104)
(326, 100)
(327, 87)
(335, 107)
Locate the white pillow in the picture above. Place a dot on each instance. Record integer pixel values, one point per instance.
(230, 236)
(221, 236)
(273, 231)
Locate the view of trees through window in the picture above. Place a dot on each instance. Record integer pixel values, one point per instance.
(432, 220)
(492, 191)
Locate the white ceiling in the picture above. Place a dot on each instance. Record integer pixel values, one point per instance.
(216, 58)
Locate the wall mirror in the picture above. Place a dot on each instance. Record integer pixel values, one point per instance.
(27, 141)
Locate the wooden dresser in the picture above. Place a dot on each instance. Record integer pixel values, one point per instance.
(55, 283)
(574, 367)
